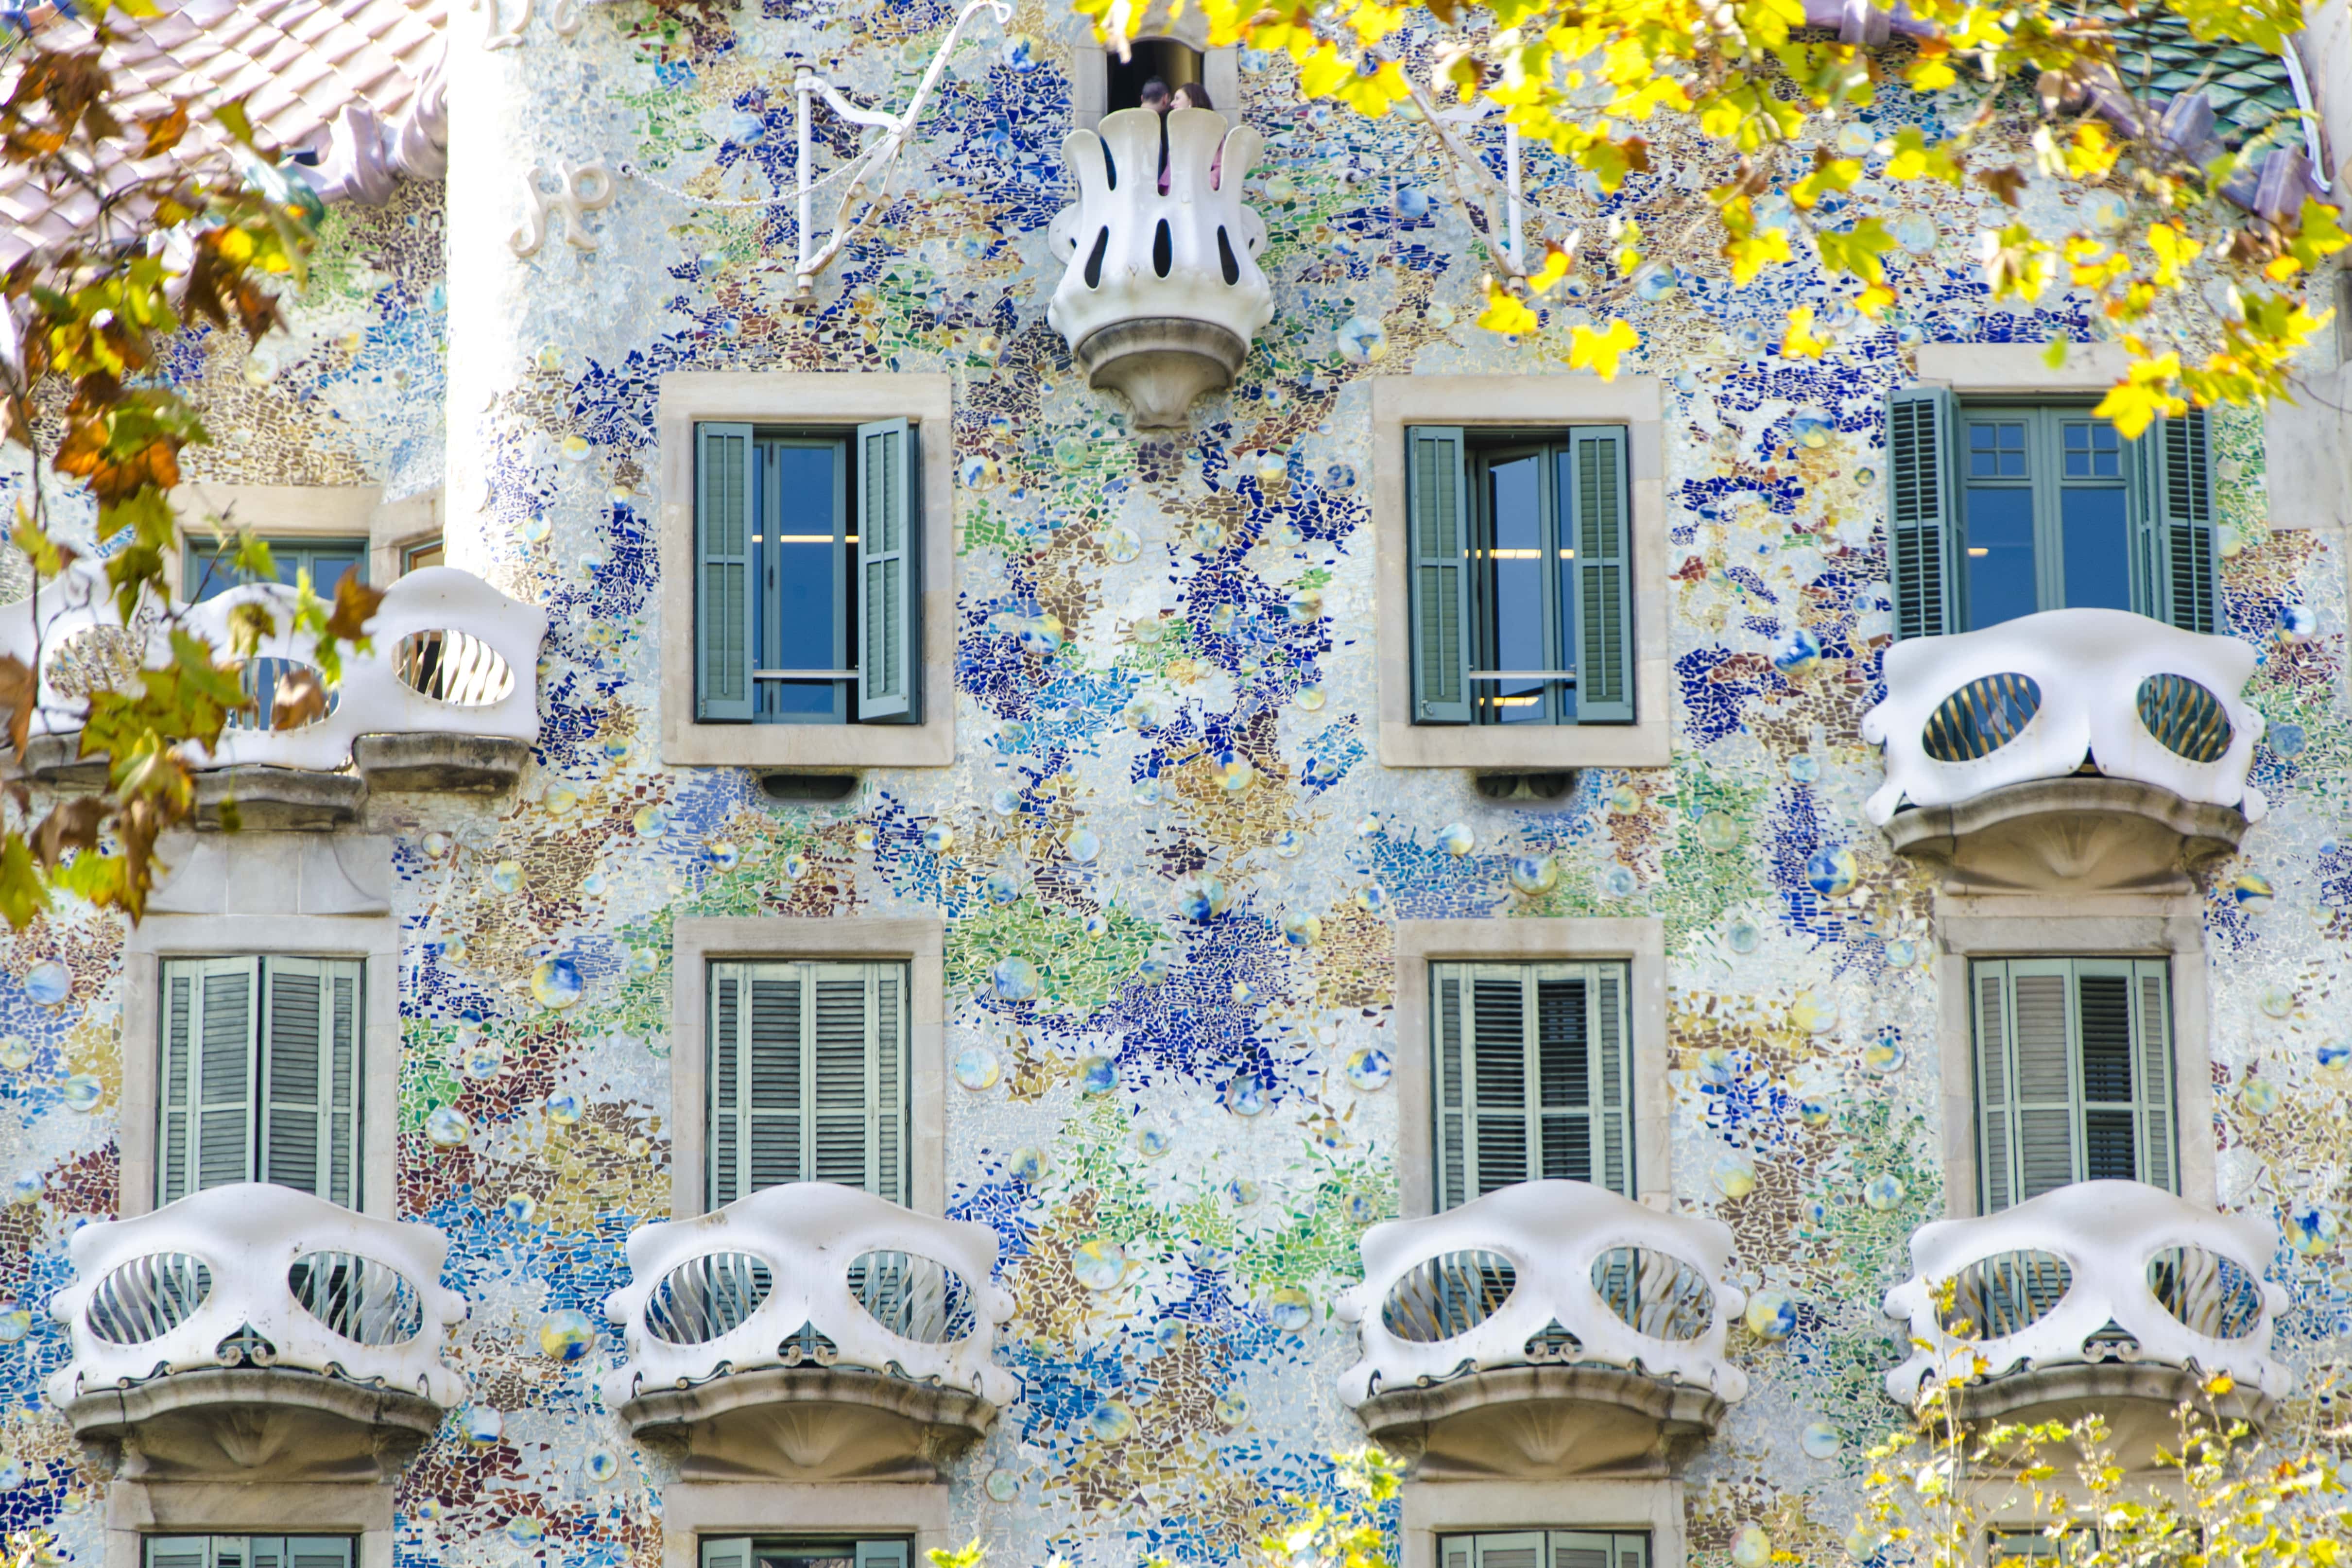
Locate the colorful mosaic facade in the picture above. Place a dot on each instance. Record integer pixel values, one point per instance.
(1169, 861)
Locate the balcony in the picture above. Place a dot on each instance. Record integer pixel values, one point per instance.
(2095, 751)
(810, 1333)
(256, 1333)
(1547, 1330)
(446, 698)
(1163, 291)
(2112, 1297)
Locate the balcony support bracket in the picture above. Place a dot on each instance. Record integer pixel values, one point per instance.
(2080, 834)
(1544, 1423)
(1161, 364)
(811, 1424)
(480, 764)
(2140, 1401)
(253, 1423)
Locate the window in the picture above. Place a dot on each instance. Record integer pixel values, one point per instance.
(418, 556)
(1544, 1549)
(2022, 1546)
(1172, 62)
(1533, 1068)
(754, 1552)
(2073, 1062)
(808, 1077)
(1999, 509)
(1521, 598)
(212, 572)
(260, 1077)
(248, 1551)
(806, 581)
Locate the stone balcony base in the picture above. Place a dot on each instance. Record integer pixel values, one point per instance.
(278, 800)
(475, 765)
(2139, 1400)
(1159, 364)
(811, 1423)
(254, 1423)
(1542, 1423)
(2084, 834)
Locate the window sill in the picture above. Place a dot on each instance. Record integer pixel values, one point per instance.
(930, 745)
(1505, 748)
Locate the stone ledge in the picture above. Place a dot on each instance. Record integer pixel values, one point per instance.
(279, 800)
(2137, 1398)
(440, 760)
(1160, 364)
(1544, 1423)
(55, 761)
(275, 1423)
(811, 1423)
(2083, 833)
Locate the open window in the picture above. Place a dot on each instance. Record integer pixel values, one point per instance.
(740, 1551)
(1169, 60)
(1545, 1548)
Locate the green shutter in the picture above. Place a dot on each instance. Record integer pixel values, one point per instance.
(1613, 1070)
(732, 1551)
(1633, 1551)
(309, 1033)
(726, 1157)
(1580, 1549)
(1447, 982)
(889, 633)
(1922, 510)
(1438, 521)
(1495, 1077)
(881, 1554)
(1996, 1149)
(1520, 1549)
(2152, 1038)
(1601, 528)
(2042, 1082)
(808, 1077)
(179, 1551)
(313, 1552)
(726, 562)
(207, 1106)
(1534, 1077)
(775, 1135)
(2173, 518)
(1456, 1550)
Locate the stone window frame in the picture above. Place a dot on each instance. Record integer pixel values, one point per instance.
(1221, 69)
(1522, 402)
(314, 511)
(805, 398)
(918, 941)
(136, 1510)
(692, 1509)
(1432, 1508)
(2093, 926)
(1638, 942)
(211, 908)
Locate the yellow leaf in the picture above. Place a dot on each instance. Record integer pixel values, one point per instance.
(1505, 311)
(1798, 341)
(1600, 352)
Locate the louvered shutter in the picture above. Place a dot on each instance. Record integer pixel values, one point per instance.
(1447, 984)
(248, 1551)
(1577, 1549)
(2107, 1071)
(1633, 1551)
(1996, 1152)
(1601, 528)
(1437, 496)
(775, 1135)
(726, 1139)
(1496, 1074)
(726, 565)
(1456, 1550)
(2042, 1076)
(881, 1554)
(1565, 1077)
(207, 1099)
(179, 1551)
(733, 1551)
(808, 1077)
(310, 1027)
(2152, 1031)
(315, 1551)
(1613, 1065)
(2174, 517)
(1522, 1549)
(1922, 510)
(890, 667)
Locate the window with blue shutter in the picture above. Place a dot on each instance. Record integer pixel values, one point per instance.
(1997, 509)
(1535, 1077)
(2074, 1062)
(1521, 575)
(260, 1080)
(1546, 1549)
(807, 586)
(808, 1077)
(790, 1551)
(249, 1551)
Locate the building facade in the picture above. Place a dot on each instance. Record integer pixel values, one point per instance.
(1295, 872)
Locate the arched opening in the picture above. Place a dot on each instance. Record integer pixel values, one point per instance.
(1171, 61)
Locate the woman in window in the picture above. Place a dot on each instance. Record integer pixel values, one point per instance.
(1192, 95)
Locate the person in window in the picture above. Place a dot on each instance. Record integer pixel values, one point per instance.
(1192, 95)
(1155, 99)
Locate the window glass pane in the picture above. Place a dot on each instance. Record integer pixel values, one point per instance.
(2098, 545)
(421, 556)
(1999, 550)
(326, 568)
(2093, 451)
(1996, 451)
(1515, 588)
(803, 553)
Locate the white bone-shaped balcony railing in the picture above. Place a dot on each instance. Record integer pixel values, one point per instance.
(2095, 1271)
(1544, 1272)
(449, 654)
(811, 1273)
(1136, 254)
(257, 1275)
(2033, 698)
